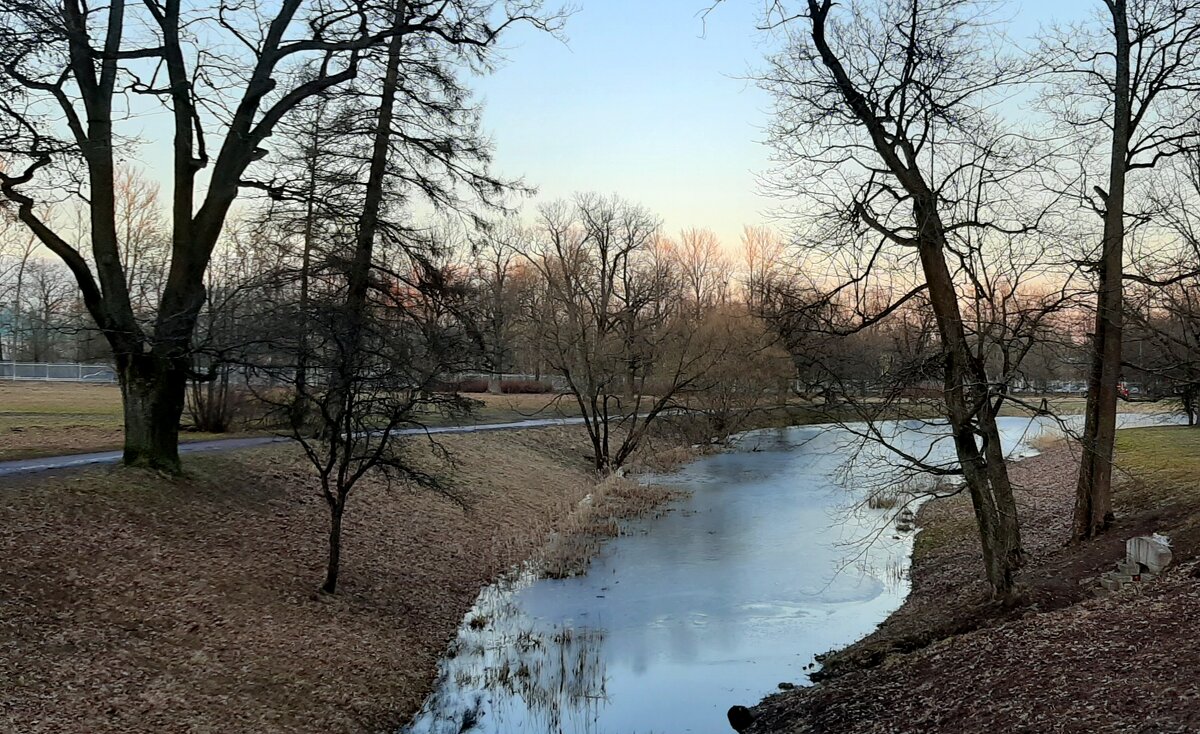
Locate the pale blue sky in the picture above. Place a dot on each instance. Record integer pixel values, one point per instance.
(646, 100)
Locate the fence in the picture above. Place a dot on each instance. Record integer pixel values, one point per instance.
(72, 372)
(48, 372)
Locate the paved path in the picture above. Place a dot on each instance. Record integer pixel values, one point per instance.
(46, 463)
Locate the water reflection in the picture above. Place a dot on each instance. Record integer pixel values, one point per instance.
(774, 558)
(505, 672)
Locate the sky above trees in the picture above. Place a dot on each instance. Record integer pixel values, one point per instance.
(649, 99)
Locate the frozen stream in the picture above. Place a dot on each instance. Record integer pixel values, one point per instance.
(772, 559)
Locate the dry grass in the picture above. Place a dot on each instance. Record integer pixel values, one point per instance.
(60, 398)
(48, 419)
(39, 419)
(134, 603)
(1077, 405)
(53, 418)
(662, 459)
(598, 517)
(1047, 441)
(517, 406)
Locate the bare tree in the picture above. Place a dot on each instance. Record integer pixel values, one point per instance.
(497, 279)
(383, 326)
(625, 349)
(86, 67)
(383, 366)
(47, 295)
(1134, 76)
(145, 241)
(1162, 305)
(16, 253)
(763, 254)
(225, 74)
(884, 126)
(703, 268)
(308, 192)
(1163, 343)
(744, 384)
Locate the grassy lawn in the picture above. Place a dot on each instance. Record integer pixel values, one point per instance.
(1164, 463)
(46, 418)
(1076, 406)
(1155, 467)
(53, 418)
(98, 403)
(506, 408)
(1170, 451)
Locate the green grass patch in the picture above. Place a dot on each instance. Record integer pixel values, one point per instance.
(1160, 464)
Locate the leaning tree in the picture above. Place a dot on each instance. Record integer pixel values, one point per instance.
(885, 130)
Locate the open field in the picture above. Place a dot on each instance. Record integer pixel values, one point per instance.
(48, 419)
(1159, 465)
(52, 418)
(1064, 659)
(40, 418)
(130, 602)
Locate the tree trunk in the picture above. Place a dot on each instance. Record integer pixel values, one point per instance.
(153, 391)
(1093, 492)
(335, 547)
(969, 409)
(969, 406)
(299, 408)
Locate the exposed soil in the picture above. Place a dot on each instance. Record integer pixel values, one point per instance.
(130, 602)
(1061, 660)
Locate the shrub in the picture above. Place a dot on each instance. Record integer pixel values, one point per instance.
(511, 387)
(216, 405)
(472, 384)
(466, 384)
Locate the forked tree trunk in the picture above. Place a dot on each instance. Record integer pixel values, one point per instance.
(153, 390)
(971, 416)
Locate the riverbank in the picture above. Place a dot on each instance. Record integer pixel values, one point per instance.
(132, 602)
(1064, 659)
(41, 419)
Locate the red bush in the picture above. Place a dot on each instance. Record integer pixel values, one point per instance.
(469, 384)
(524, 386)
